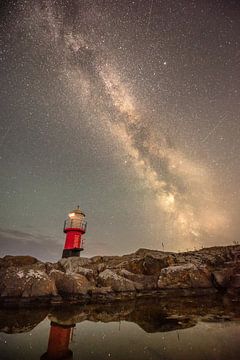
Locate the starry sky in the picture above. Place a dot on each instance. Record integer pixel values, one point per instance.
(129, 109)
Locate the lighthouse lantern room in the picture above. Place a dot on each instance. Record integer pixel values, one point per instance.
(74, 228)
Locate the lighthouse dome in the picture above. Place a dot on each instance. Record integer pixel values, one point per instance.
(76, 213)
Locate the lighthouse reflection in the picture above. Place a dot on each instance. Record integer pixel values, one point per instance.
(168, 323)
(176, 328)
(58, 342)
(148, 316)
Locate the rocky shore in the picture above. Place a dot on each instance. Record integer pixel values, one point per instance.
(146, 273)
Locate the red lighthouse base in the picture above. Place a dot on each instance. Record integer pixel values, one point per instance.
(73, 243)
(71, 252)
(59, 338)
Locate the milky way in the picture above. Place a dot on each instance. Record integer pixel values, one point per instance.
(163, 144)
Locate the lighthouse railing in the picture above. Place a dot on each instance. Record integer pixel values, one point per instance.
(75, 223)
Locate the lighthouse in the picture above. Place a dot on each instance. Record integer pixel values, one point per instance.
(74, 228)
(58, 342)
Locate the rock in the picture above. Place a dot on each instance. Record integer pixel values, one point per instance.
(22, 320)
(72, 264)
(235, 281)
(101, 267)
(103, 290)
(132, 264)
(146, 273)
(88, 273)
(185, 276)
(53, 266)
(26, 282)
(75, 265)
(146, 282)
(142, 252)
(116, 282)
(153, 264)
(18, 261)
(218, 255)
(70, 283)
(234, 285)
(97, 259)
(221, 278)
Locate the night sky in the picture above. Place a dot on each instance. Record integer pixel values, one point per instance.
(129, 109)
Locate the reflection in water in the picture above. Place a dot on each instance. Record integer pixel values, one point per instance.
(58, 343)
(180, 328)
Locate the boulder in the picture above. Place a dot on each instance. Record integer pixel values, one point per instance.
(75, 265)
(108, 278)
(72, 264)
(9, 260)
(75, 268)
(97, 259)
(132, 264)
(146, 282)
(221, 278)
(70, 283)
(88, 273)
(52, 266)
(153, 264)
(26, 282)
(101, 267)
(184, 277)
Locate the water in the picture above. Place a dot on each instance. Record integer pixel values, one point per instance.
(179, 329)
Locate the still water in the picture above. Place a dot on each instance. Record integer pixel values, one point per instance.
(179, 329)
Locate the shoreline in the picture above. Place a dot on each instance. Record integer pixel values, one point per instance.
(26, 281)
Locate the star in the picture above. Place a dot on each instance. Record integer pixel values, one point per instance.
(129, 109)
